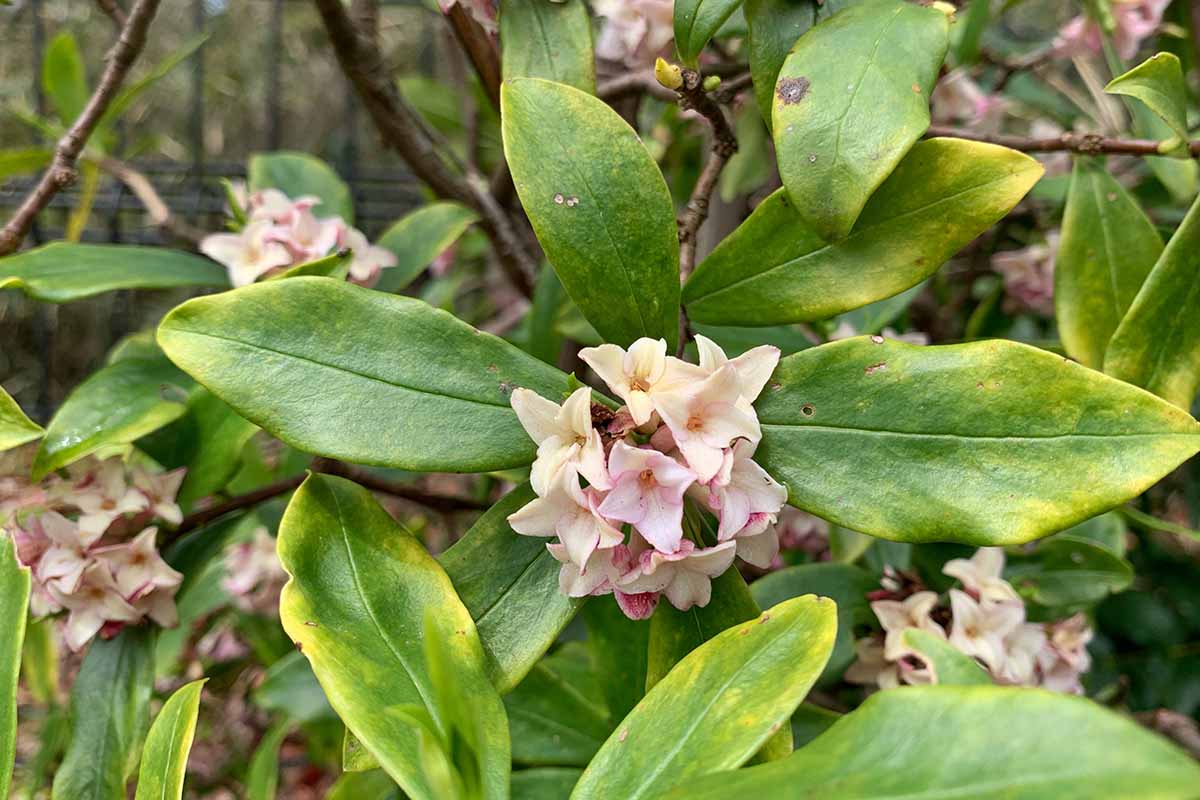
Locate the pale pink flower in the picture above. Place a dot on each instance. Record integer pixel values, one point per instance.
(1065, 657)
(1135, 21)
(103, 496)
(305, 237)
(253, 574)
(981, 575)
(957, 99)
(95, 601)
(684, 576)
(367, 260)
(635, 31)
(482, 11)
(564, 436)
(571, 514)
(136, 566)
(897, 616)
(636, 375)
(275, 206)
(160, 489)
(741, 490)
(246, 255)
(1029, 275)
(758, 545)
(871, 667)
(706, 419)
(1021, 650)
(158, 605)
(980, 629)
(597, 576)
(64, 562)
(647, 492)
(753, 367)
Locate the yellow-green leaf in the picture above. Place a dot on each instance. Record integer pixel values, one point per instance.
(14, 611)
(164, 759)
(696, 21)
(1158, 82)
(950, 666)
(15, 428)
(548, 40)
(418, 238)
(63, 78)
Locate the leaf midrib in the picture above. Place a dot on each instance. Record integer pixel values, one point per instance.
(974, 436)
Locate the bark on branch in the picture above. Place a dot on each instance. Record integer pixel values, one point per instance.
(62, 173)
(1084, 143)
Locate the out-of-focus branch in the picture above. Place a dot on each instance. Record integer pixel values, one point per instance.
(114, 12)
(479, 47)
(61, 172)
(403, 130)
(367, 480)
(160, 213)
(1084, 143)
(641, 82)
(1179, 728)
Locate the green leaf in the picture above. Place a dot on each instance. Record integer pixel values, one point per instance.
(133, 91)
(63, 77)
(373, 785)
(117, 404)
(209, 441)
(1005, 742)
(262, 776)
(950, 666)
(335, 266)
(19, 161)
(419, 237)
(620, 650)
(290, 688)
(774, 27)
(1067, 570)
(14, 611)
(718, 706)
(355, 757)
(39, 660)
(15, 428)
(847, 586)
(548, 40)
(984, 443)
(696, 21)
(1179, 177)
(509, 583)
(599, 206)
(298, 174)
(552, 721)
(544, 783)
(164, 759)
(842, 124)
(359, 589)
(775, 268)
(1158, 82)
(110, 712)
(542, 340)
(1157, 344)
(402, 384)
(1108, 248)
(61, 272)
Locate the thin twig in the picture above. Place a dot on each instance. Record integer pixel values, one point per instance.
(728, 91)
(113, 12)
(1085, 143)
(479, 47)
(198, 519)
(1179, 728)
(402, 129)
(160, 213)
(61, 173)
(367, 480)
(632, 83)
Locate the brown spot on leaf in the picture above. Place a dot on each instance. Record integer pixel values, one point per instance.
(871, 370)
(792, 90)
(916, 89)
(764, 618)
(311, 624)
(624, 735)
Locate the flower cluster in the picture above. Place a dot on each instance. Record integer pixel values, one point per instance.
(281, 232)
(254, 577)
(75, 533)
(1134, 20)
(986, 621)
(1029, 276)
(685, 429)
(635, 31)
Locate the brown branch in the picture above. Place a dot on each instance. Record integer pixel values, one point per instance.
(402, 129)
(367, 480)
(160, 213)
(479, 47)
(198, 519)
(633, 83)
(1084, 143)
(61, 172)
(728, 91)
(1179, 728)
(114, 12)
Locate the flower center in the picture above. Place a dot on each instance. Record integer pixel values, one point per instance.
(108, 504)
(646, 478)
(639, 384)
(695, 423)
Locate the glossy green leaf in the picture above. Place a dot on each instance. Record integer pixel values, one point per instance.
(1180, 177)
(599, 206)
(696, 21)
(355, 757)
(847, 586)
(985, 443)
(116, 405)
(402, 384)
(1067, 570)
(810, 721)
(1107, 530)
(552, 718)
(61, 272)
(775, 268)
(509, 583)
(15, 428)
(544, 783)
(950, 666)
(299, 174)
(419, 237)
(63, 77)
(620, 651)
(14, 611)
(19, 161)
(359, 589)
(1108, 248)
(110, 713)
(262, 774)
(164, 759)
(548, 40)
(774, 26)
(542, 340)
(215, 436)
(289, 687)
(1157, 344)
(335, 266)
(1158, 82)
(1005, 742)
(842, 124)
(373, 785)
(40, 660)
(718, 706)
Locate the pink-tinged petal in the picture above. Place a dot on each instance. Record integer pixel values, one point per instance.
(759, 550)
(610, 536)
(703, 459)
(82, 625)
(64, 532)
(663, 440)
(576, 414)
(591, 463)
(712, 561)
(754, 369)
(224, 248)
(734, 512)
(556, 460)
(608, 361)
(689, 589)
(625, 501)
(637, 606)
(578, 532)
(662, 523)
(160, 607)
(540, 516)
(63, 567)
(537, 414)
(725, 423)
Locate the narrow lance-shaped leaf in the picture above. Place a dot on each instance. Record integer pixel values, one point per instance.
(1157, 344)
(360, 586)
(164, 759)
(775, 268)
(1158, 82)
(950, 666)
(418, 238)
(984, 443)
(15, 428)
(110, 712)
(548, 40)
(718, 706)
(63, 77)
(619, 648)
(599, 206)
(115, 405)
(982, 742)
(61, 272)
(402, 384)
(696, 21)
(299, 174)
(557, 715)
(509, 583)
(1108, 248)
(842, 124)
(262, 774)
(14, 611)
(18, 161)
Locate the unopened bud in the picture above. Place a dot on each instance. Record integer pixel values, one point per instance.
(669, 75)
(711, 82)
(945, 8)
